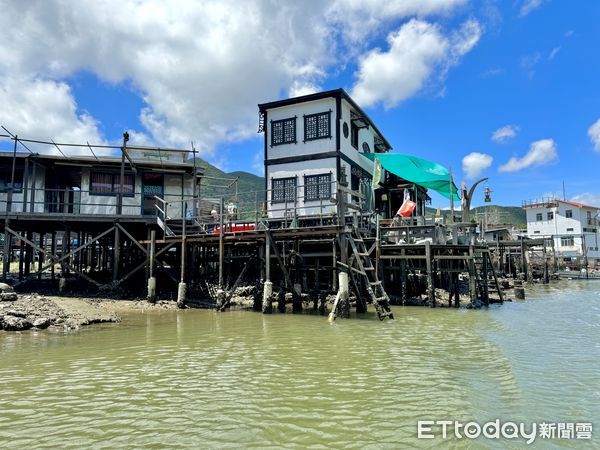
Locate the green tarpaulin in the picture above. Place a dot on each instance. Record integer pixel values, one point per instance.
(416, 170)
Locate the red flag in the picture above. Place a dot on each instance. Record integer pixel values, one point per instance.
(407, 208)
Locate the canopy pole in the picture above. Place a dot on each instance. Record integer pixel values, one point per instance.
(451, 197)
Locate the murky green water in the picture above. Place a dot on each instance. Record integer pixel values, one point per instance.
(240, 379)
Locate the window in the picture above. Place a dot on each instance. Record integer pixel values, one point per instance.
(538, 216)
(567, 241)
(354, 135)
(6, 176)
(284, 190)
(536, 232)
(317, 126)
(569, 213)
(317, 187)
(569, 229)
(283, 131)
(550, 215)
(109, 183)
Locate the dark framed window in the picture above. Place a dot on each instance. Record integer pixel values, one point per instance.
(317, 187)
(354, 135)
(569, 213)
(550, 215)
(6, 176)
(317, 126)
(538, 216)
(567, 241)
(109, 183)
(283, 131)
(284, 190)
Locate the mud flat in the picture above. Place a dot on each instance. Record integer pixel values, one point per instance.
(23, 312)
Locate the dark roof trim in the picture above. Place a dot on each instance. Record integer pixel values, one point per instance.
(105, 161)
(334, 93)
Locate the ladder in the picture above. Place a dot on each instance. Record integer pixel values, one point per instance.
(364, 268)
(483, 269)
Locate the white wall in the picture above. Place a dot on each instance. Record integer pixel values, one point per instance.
(17, 198)
(107, 204)
(364, 135)
(299, 110)
(299, 170)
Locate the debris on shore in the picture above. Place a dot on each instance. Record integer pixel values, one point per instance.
(18, 313)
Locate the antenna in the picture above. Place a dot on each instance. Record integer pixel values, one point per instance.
(564, 194)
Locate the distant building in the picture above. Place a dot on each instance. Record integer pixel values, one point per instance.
(571, 226)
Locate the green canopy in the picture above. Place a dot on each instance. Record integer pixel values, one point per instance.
(419, 171)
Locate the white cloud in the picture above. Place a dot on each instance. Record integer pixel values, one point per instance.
(201, 67)
(540, 153)
(475, 163)
(529, 6)
(588, 198)
(361, 18)
(416, 51)
(529, 63)
(553, 53)
(45, 109)
(505, 133)
(594, 134)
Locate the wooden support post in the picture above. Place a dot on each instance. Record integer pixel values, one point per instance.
(11, 188)
(21, 257)
(28, 254)
(221, 244)
(53, 251)
(33, 188)
(24, 184)
(403, 278)
(117, 252)
(546, 277)
(486, 295)
(429, 268)
(6, 256)
(181, 291)
(151, 279)
(472, 275)
(523, 260)
(40, 257)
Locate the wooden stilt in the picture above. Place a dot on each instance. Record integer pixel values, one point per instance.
(116, 254)
(40, 257)
(6, 256)
(430, 284)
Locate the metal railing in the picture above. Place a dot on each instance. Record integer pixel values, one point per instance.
(247, 211)
(73, 202)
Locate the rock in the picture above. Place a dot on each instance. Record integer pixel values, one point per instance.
(8, 297)
(15, 313)
(7, 293)
(13, 323)
(42, 322)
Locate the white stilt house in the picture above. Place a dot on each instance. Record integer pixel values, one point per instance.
(311, 142)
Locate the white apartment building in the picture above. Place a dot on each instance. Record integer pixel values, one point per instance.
(572, 226)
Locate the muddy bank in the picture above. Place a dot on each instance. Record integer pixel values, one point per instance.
(23, 312)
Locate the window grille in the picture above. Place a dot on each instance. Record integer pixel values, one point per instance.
(283, 131)
(317, 126)
(284, 190)
(317, 187)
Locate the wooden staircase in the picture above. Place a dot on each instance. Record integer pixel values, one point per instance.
(362, 265)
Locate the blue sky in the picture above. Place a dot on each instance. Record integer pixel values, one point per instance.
(439, 77)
